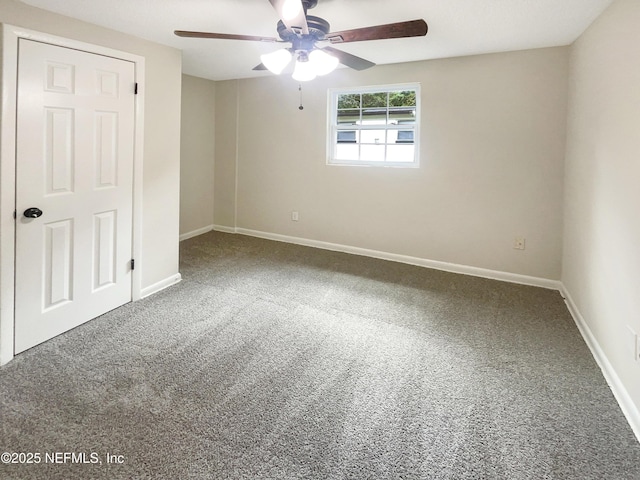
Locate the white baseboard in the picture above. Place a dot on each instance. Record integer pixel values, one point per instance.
(621, 394)
(222, 228)
(195, 233)
(421, 262)
(161, 285)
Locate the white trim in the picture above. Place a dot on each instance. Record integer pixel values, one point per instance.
(10, 35)
(138, 167)
(621, 394)
(161, 285)
(222, 228)
(196, 232)
(421, 262)
(7, 191)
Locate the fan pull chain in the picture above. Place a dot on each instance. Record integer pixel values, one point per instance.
(300, 90)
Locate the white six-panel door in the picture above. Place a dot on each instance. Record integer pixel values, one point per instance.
(74, 163)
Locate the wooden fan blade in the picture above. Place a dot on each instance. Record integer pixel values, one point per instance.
(357, 63)
(412, 28)
(224, 36)
(298, 24)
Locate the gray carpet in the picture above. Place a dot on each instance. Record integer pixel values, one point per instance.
(275, 361)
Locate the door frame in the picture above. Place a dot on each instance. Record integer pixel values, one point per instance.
(9, 38)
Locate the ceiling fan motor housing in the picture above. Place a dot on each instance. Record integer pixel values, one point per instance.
(318, 28)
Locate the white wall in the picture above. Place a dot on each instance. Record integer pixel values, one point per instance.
(197, 149)
(601, 261)
(492, 151)
(162, 129)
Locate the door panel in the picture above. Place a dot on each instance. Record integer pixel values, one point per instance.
(58, 150)
(58, 266)
(104, 237)
(106, 149)
(74, 161)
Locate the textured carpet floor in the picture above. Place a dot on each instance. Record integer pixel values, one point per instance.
(275, 361)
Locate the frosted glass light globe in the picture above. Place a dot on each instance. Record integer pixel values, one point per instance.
(276, 61)
(323, 63)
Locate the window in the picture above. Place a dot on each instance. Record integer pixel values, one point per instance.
(374, 126)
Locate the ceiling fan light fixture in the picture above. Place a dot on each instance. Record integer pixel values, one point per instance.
(304, 31)
(276, 61)
(304, 70)
(322, 62)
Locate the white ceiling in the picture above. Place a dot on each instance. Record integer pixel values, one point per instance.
(456, 27)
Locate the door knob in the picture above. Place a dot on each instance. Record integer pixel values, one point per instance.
(32, 212)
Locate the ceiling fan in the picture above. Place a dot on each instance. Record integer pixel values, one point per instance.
(310, 38)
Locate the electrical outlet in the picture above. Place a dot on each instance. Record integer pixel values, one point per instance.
(518, 243)
(295, 216)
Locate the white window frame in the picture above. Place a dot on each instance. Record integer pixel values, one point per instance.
(333, 128)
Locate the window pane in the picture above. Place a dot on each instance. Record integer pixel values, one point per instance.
(347, 151)
(373, 136)
(374, 116)
(406, 115)
(348, 117)
(402, 98)
(401, 153)
(349, 100)
(378, 99)
(372, 153)
(347, 136)
(400, 136)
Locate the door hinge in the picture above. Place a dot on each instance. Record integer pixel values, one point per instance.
(15, 214)
(133, 264)
(135, 88)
